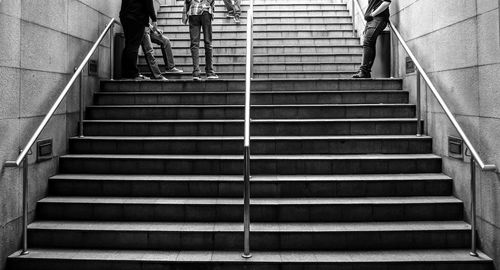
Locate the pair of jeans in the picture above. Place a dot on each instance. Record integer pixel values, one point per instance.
(233, 7)
(151, 37)
(134, 33)
(372, 30)
(196, 24)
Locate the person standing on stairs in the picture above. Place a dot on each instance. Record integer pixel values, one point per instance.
(157, 37)
(233, 9)
(200, 14)
(376, 16)
(134, 16)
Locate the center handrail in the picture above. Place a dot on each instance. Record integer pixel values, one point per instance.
(246, 140)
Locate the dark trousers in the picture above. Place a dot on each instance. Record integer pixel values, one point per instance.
(134, 33)
(196, 23)
(372, 31)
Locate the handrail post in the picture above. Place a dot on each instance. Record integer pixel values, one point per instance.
(246, 139)
(246, 208)
(82, 105)
(112, 52)
(419, 105)
(25, 206)
(473, 250)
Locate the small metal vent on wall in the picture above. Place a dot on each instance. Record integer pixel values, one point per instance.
(93, 68)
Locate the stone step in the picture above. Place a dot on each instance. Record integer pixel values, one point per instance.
(264, 127)
(271, 67)
(263, 16)
(288, 111)
(77, 259)
(223, 41)
(230, 26)
(257, 85)
(272, 49)
(261, 210)
(264, 58)
(264, 75)
(283, 7)
(222, 19)
(183, 59)
(261, 164)
(284, 186)
(260, 97)
(260, 145)
(325, 33)
(265, 236)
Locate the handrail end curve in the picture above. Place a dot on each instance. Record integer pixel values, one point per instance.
(489, 168)
(11, 163)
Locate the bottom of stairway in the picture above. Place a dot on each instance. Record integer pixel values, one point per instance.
(127, 259)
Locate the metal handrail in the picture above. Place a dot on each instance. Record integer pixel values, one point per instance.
(475, 158)
(246, 141)
(22, 158)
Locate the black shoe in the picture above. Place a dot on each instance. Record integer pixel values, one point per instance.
(362, 75)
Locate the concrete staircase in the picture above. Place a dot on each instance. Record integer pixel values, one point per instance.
(340, 181)
(292, 39)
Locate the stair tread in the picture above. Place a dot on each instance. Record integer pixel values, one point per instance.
(255, 105)
(256, 120)
(256, 138)
(256, 227)
(254, 201)
(263, 80)
(256, 178)
(457, 255)
(253, 92)
(261, 157)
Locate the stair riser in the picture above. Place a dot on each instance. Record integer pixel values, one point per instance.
(274, 85)
(218, 42)
(270, 34)
(103, 264)
(265, 17)
(272, 7)
(220, 14)
(264, 75)
(337, 112)
(213, 189)
(258, 129)
(261, 60)
(259, 213)
(261, 241)
(261, 68)
(259, 147)
(257, 99)
(235, 167)
(185, 51)
(261, 20)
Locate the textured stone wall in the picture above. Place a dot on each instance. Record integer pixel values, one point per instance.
(41, 42)
(457, 42)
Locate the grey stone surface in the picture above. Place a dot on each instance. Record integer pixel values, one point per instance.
(463, 55)
(41, 42)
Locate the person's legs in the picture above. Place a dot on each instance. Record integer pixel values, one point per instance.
(134, 33)
(194, 32)
(229, 7)
(372, 31)
(147, 48)
(237, 8)
(166, 49)
(207, 38)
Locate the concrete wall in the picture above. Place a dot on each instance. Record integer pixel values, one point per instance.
(41, 42)
(457, 42)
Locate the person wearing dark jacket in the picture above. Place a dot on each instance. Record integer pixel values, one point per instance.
(377, 17)
(134, 16)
